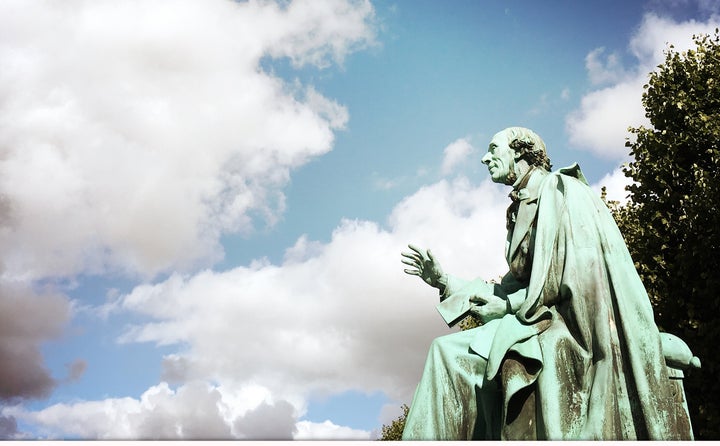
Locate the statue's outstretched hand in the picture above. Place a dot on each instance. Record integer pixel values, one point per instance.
(425, 266)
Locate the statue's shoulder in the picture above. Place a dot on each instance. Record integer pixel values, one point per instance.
(564, 183)
(573, 171)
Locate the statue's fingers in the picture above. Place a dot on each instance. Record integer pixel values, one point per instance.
(412, 272)
(415, 263)
(411, 255)
(419, 251)
(478, 300)
(430, 256)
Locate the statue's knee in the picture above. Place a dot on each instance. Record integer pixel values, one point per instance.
(439, 344)
(454, 343)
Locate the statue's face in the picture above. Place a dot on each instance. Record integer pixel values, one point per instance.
(500, 158)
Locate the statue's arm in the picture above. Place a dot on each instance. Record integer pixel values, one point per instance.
(451, 286)
(511, 290)
(459, 297)
(455, 302)
(486, 300)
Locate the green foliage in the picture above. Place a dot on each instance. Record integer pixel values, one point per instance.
(672, 225)
(393, 431)
(469, 323)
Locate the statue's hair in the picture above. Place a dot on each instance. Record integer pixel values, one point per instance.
(529, 145)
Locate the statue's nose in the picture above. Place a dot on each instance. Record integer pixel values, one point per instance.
(486, 159)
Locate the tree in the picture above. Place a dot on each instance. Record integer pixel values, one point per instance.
(672, 224)
(394, 430)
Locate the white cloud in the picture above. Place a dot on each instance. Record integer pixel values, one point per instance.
(332, 317)
(600, 71)
(600, 124)
(327, 430)
(133, 134)
(614, 183)
(315, 32)
(336, 311)
(194, 411)
(268, 422)
(454, 154)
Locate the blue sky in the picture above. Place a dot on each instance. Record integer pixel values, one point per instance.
(204, 201)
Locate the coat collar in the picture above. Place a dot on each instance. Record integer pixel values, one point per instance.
(527, 196)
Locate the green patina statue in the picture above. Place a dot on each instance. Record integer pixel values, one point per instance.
(568, 348)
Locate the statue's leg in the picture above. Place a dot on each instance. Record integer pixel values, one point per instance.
(452, 402)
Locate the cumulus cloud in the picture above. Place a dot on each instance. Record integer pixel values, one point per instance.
(455, 153)
(268, 422)
(174, 369)
(27, 319)
(133, 134)
(194, 411)
(327, 430)
(615, 183)
(330, 317)
(8, 428)
(600, 123)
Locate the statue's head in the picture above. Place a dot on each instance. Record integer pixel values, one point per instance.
(512, 152)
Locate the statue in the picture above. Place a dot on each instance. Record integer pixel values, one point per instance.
(568, 348)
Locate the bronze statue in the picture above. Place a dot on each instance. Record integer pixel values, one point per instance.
(568, 348)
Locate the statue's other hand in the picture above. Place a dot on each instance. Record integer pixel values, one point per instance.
(487, 308)
(424, 265)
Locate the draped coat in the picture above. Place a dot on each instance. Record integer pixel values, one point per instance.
(579, 355)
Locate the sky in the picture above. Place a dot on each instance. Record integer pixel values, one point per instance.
(203, 202)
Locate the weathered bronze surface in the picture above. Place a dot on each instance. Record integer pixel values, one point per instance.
(568, 349)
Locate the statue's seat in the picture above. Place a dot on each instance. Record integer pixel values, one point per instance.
(677, 353)
(678, 358)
